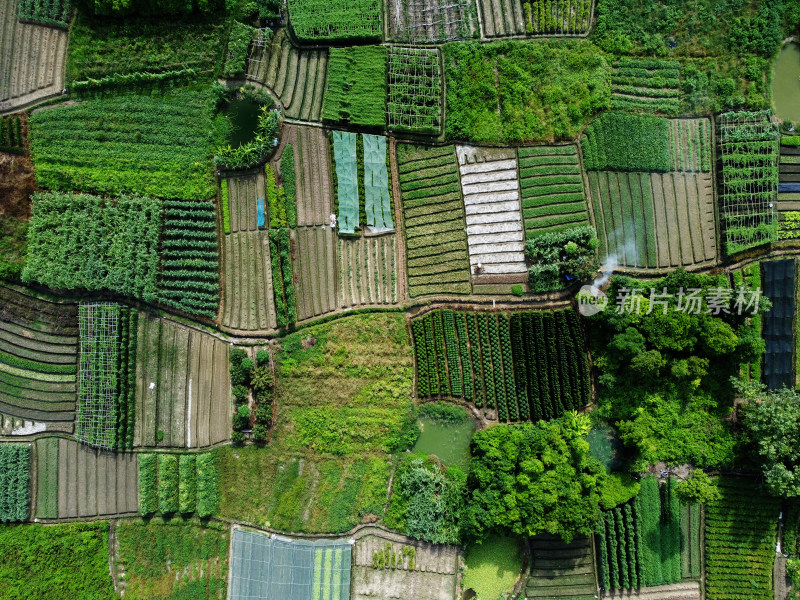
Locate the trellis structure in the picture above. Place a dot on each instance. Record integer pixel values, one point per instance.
(97, 376)
(436, 21)
(415, 90)
(259, 50)
(748, 153)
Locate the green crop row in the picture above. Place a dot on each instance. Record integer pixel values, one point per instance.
(172, 484)
(226, 213)
(282, 278)
(556, 16)
(53, 13)
(340, 20)
(11, 135)
(15, 482)
(289, 185)
(625, 142)
(126, 369)
(355, 93)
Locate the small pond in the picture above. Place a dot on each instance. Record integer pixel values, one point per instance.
(448, 441)
(244, 118)
(786, 83)
(605, 446)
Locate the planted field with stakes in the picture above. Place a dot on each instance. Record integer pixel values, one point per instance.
(503, 18)
(494, 221)
(415, 90)
(38, 360)
(433, 20)
(437, 257)
(551, 189)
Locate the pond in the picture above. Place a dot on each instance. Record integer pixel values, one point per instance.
(786, 83)
(448, 441)
(605, 446)
(244, 118)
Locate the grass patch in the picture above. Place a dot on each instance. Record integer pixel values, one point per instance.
(493, 567)
(153, 553)
(59, 561)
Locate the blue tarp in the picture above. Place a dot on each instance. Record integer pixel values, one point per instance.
(789, 187)
(261, 212)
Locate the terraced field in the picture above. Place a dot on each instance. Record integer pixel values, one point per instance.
(182, 386)
(312, 166)
(74, 481)
(553, 198)
(432, 21)
(433, 576)
(494, 222)
(654, 219)
(560, 570)
(296, 76)
(367, 271)
(248, 302)
(436, 244)
(38, 360)
(315, 269)
(244, 190)
(31, 59)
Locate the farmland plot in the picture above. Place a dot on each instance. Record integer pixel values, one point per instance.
(367, 271)
(553, 198)
(430, 575)
(690, 145)
(433, 213)
(38, 362)
(560, 570)
(312, 167)
(248, 301)
(296, 76)
(646, 85)
(779, 287)
(504, 18)
(415, 90)
(432, 21)
(31, 59)
(789, 179)
(182, 386)
(654, 219)
(244, 190)
(494, 221)
(316, 270)
(74, 481)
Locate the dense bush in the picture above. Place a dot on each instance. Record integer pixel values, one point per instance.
(238, 46)
(162, 8)
(512, 92)
(556, 255)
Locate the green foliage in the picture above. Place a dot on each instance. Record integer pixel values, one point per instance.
(355, 93)
(512, 92)
(80, 241)
(343, 20)
(55, 561)
(137, 81)
(101, 48)
(427, 500)
(13, 248)
(618, 490)
(289, 185)
(740, 531)
(168, 484)
(282, 278)
(518, 290)
(153, 552)
(511, 490)
(226, 213)
(148, 484)
(555, 17)
(256, 151)
(771, 422)
(238, 47)
(444, 412)
(134, 144)
(618, 141)
(56, 13)
(208, 483)
(187, 483)
(559, 253)
(697, 489)
(790, 140)
(15, 482)
(789, 227)
(276, 198)
(146, 7)
(493, 567)
(11, 135)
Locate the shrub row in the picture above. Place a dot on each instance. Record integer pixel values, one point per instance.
(15, 482)
(126, 370)
(136, 81)
(171, 484)
(282, 279)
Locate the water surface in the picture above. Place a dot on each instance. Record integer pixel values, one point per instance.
(786, 83)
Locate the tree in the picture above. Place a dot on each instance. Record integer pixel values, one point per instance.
(529, 479)
(772, 423)
(697, 489)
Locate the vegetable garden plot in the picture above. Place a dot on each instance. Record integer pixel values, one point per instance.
(275, 568)
(646, 85)
(415, 90)
(551, 189)
(312, 167)
(367, 271)
(414, 21)
(433, 215)
(296, 76)
(778, 323)
(184, 484)
(38, 360)
(15, 482)
(789, 177)
(617, 141)
(494, 222)
(31, 59)
(242, 191)
(138, 144)
(536, 17)
(560, 570)
(182, 386)
(11, 135)
(740, 535)
(55, 13)
(75, 481)
(653, 220)
(316, 270)
(355, 91)
(280, 248)
(248, 301)
(337, 21)
(530, 367)
(690, 145)
(421, 571)
(748, 153)
(189, 278)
